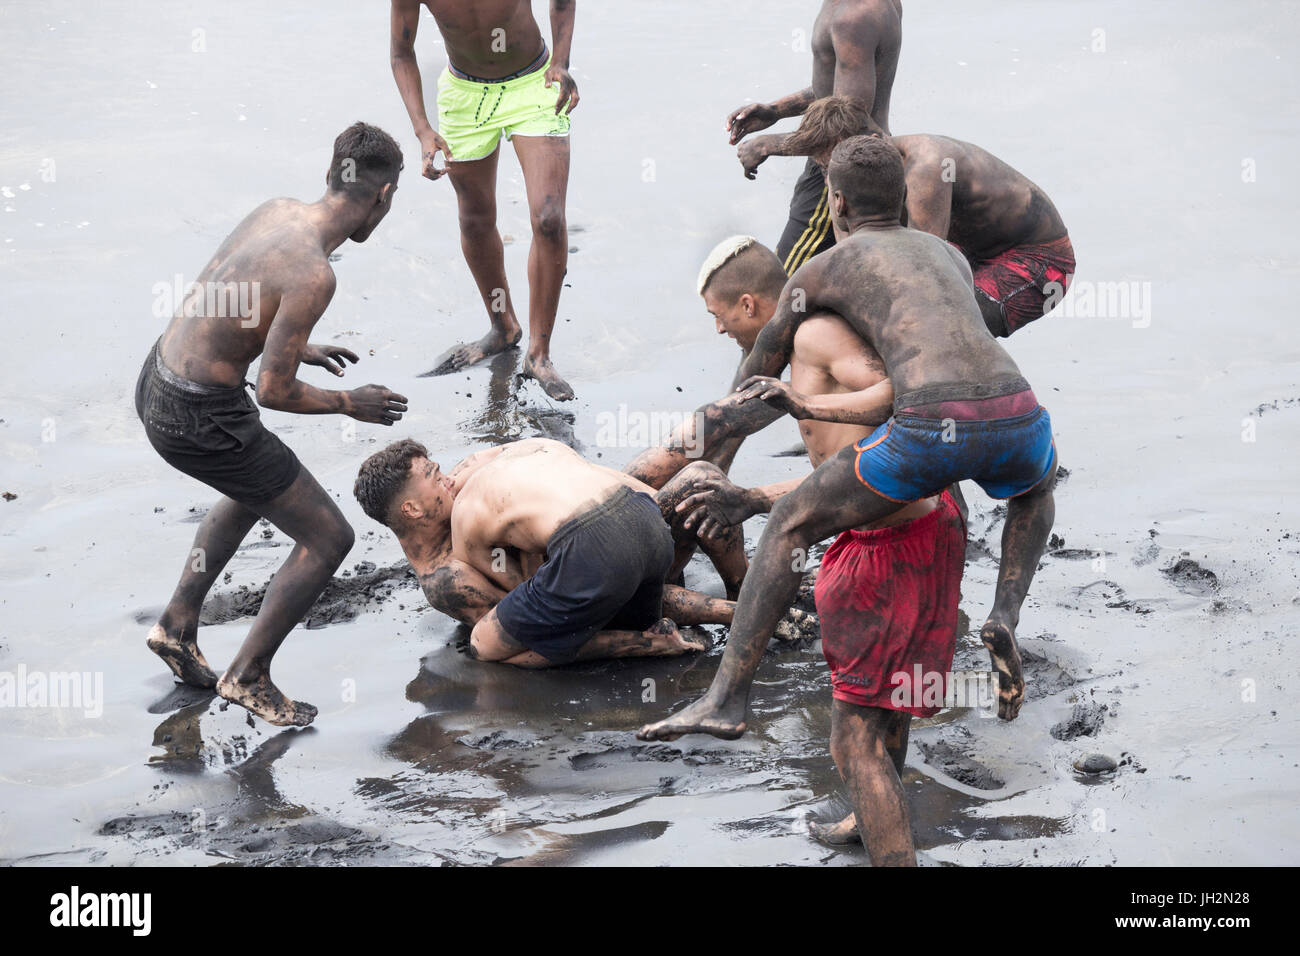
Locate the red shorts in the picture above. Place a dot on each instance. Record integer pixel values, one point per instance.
(887, 599)
(1027, 281)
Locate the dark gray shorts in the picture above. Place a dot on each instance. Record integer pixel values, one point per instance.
(213, 434)
(604, 570)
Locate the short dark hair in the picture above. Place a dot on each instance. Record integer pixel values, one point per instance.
(382, 477)
(868, 172)
(755, 270)
(829, 122)
(365, 152)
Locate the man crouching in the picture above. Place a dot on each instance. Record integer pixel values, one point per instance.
(550, 558)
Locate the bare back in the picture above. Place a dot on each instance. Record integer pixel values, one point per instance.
(988, 206)
(855, 47)
(829, 358)
(523, 495)
(488, 38)
(222, 325)
(910, 295)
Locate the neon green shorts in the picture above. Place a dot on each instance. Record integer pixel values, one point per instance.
(473, 116)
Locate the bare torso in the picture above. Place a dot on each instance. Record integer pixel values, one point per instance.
(488, 38)
(521, 497)
(909, 294)
(830, 358)
(875, 28)
(223, 324)
(993, 206)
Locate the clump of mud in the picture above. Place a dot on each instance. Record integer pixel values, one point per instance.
(344, 597)
(952, 760)
(1084, 721)
(1188, 575)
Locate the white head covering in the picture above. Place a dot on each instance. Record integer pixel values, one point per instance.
(722, 253)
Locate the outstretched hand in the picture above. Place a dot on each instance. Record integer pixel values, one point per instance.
(749, 119)
(329, 357)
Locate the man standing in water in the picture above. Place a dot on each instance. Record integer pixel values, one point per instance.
(962, 411)
(855, 48)
(500, 81)
(197, 416)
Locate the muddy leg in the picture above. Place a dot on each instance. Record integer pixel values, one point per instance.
(323, 538)
(175, 637)
(545, 164)
(476, 184)
(1028, 525)
(688, 607)
(829, 501)
(859, 737)
(846, 830)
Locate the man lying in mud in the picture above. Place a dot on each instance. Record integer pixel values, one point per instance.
(197, 416)
(1006, 226)
(549, 558)
(887, 593)
(961, 411)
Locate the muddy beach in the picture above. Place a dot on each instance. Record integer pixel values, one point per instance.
(1160, 633)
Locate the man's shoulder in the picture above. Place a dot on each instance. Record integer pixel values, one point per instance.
(882, 18)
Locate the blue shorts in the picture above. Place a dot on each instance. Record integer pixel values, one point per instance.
(909, 458)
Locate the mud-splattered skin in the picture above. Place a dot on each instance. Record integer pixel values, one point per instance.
(907, 294)
(276, 261)
(855, 47)
(455, 585)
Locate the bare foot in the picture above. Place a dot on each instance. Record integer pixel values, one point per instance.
(467, 353)
(265, 700)
(797, 624)
(701, 717)
(183, 657)
(843, 833)
(1000, 639)
(667, 641)
(544, 372)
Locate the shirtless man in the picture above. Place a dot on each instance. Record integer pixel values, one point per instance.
(1006, 226)
(549, 558)
(855, 47)
(500, 81)
(887, 594)
(962, 411)
(190, 397)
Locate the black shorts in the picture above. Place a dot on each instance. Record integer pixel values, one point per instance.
(604, 570)
(809, 230)
(213, 434)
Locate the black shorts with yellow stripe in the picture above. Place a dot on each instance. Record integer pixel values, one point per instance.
(809, 230)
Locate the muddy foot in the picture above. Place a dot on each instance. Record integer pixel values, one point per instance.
(796, 624)
(843, 833)
(701, 717)
(1001, 643)
(668, 641)
(265, 700)
(544, 373)
(468, 353)
(183, 657)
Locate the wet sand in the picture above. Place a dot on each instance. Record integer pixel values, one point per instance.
(1161, 628)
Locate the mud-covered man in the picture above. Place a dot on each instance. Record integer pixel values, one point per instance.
(548, 557)
(1005, 225)
(887, 593)
(501, 81)
(962, 410)
(198, 417)
(855, 49)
